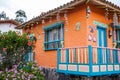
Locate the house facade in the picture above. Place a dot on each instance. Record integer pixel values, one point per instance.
(6, 25)
(81, 37)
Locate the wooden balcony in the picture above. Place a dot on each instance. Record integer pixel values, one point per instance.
(88, 61)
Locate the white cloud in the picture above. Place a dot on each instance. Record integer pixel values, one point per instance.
(35, 7)
(3, 3)
(9, 13)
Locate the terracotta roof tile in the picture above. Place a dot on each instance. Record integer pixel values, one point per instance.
(69, 4)
(10, 21)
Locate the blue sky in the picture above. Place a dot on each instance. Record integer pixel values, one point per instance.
(33, 7)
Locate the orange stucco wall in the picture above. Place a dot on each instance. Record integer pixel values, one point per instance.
(98, 14)
(72, 37)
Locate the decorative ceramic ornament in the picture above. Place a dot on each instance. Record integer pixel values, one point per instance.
(43, 21)
(114, 33)
(66, 20)
(91, 29)
(65, 16)
(37, 22)
(58, 16)
(94, 39)
(89, 37)
(114, 44)
(38, 36)
(115, 19)
(50, 19)
(106, 14)
(88, 11)
(77, 26)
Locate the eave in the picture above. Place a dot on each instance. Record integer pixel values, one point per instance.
(67, 7)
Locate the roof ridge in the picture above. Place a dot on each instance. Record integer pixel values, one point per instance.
(68, 4)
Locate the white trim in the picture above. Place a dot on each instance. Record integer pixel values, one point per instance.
(110, 67)
(116, 67)
(84, 68)
(95, 68)
(62, 67)
(103, 68)
(72, 67)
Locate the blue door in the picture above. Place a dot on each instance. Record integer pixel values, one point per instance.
(28, 54)
(102, 42)
(102, 38)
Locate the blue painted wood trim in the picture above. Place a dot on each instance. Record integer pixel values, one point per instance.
(93, 74)
(115, 53)
(116, 26)
(100, 24)
(74, 55)
(54, 25)
(117, 57)
(99, 28)
(107, 56)
(105, 37)
(89, 74)
(44, 40)
(67, 59)
(28, 55)
(31, 55)
(90, 59)
(62, 31)
(58, 58)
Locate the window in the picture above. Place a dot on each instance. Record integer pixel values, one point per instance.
(117, 37)
(54, 36)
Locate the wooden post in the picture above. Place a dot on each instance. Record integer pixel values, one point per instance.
(90, 59)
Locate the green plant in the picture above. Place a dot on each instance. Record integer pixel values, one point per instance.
(32, 68)
(23, 71)
(12, 48)
(13, 66)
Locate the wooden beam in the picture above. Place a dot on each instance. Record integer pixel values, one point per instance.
(118, 13)
(87, 1)
(66, 7)
(111, 10)
(101, 6)
(111, 7)
(70, 8)
(52, 14)
(61, 11)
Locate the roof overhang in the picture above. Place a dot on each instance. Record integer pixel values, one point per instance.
(10, 21)
(69, 6)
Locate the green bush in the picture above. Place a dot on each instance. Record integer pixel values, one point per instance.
(12, 48)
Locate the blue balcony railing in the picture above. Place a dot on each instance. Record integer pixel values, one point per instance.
(88, 61)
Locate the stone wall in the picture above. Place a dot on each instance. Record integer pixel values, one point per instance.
(51, 74)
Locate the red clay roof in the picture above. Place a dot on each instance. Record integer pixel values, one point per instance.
(66, 6)
(9, 21)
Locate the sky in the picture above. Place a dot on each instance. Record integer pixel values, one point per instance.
(33, 8)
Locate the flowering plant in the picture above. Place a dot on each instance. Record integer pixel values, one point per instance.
(31, 40)
(22, 71)
(12, 49)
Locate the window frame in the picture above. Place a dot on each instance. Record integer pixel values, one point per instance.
(53, 42)
(117, 38)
